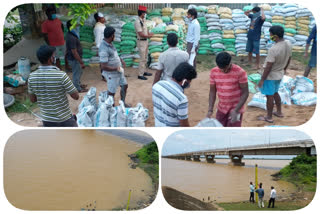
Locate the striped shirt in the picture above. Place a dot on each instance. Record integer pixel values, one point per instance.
(51, 86)
(228, 87)
(170, 105)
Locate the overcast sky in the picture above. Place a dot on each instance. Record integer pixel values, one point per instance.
(194, 140)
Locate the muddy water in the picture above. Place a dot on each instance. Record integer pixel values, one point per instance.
(221, 182)
(72, 170)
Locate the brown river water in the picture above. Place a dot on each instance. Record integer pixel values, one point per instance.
(221, 182)
(72, 170)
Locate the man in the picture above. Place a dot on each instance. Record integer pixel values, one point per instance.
(74, 56)
(254, 33)
(231, 83)
(313, 58)
(251, 199)
(170, 105)
(111, 65)
(193, 34)
(48, 86)
(260, 192)
(52, 30)
(170, 59)
(275, 66)
(98, 31)
(142, 41)
(273, 195)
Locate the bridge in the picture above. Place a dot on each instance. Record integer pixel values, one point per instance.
(236, 153)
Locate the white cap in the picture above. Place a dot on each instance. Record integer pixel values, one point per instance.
(100, 15)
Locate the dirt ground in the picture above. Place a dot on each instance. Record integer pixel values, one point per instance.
(198, 93)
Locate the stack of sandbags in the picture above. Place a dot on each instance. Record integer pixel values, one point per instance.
(212, 9)
(214, 30)
(226, 22)
(265, 35)
(178, 14)
(290, 29)
(278, 16)
(166, 14)
(303, 22)
(156, 43)
(241, 24)
(204, 43)
(154, 13)
(128, 43)
(117, 24)
(181, 35)
(87, 41)
(201, 10)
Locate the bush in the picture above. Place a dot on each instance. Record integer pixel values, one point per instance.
(11, 34)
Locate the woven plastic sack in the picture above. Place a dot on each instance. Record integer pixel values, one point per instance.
(222, 10)
(258, 100)
(209, 122)
(305, 98)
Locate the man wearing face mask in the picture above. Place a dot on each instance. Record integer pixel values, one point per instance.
(274, 68)
(142, 41)
(112, 65)
(230, 82)
(52, 30)
(193, 34)
(74, 56)
(170, 105)
(49, 86)
(254, 33)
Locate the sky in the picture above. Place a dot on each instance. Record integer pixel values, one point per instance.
(196, 139)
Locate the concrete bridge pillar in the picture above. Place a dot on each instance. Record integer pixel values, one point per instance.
(196, 157)
(210, 159)
(188, 158)
(236, 160)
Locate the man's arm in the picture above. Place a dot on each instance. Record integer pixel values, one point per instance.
(157, 76)
(285, 68)
(123, 63)
(197, 37)
(106, 67)
(247, 12)
(77, 57)
(212, 99)
(263, 17)
(184, 123)
(46, 39)
(33, 98)
(242, 101)
(265, 73)
(141, 34)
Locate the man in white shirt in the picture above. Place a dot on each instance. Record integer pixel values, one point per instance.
(193, 34)
(98, 32)
(273, 195)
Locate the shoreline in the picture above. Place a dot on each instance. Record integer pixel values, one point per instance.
(142, 138)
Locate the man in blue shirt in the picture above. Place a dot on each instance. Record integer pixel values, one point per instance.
(313, 58)
(193, 34)
(253, 44)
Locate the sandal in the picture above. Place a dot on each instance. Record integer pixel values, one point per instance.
(83, 85)
(263, 118)
(83, 90)
(278, 115)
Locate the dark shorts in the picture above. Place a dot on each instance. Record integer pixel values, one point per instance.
(68, 123)
(270, 87)
(253, 46)
(225, 121)
(313, 61)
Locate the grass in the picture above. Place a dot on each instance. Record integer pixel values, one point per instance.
(300, 58)
(279, 205)
(18, 107)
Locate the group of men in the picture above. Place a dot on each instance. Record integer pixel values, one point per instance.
(260, 192)
(175, 72)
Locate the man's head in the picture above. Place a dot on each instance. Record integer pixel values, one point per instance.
(192, 13)
(223, 61)
(46, 55)
(142, 11)
(256, 9)
(99, 17)
(276, 33)
(172, 39)
(272, 187)
(51, 12)
(250, 182)
(260, 185)
(109, 33)
(183, 74)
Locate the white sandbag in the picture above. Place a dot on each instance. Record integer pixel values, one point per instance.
(303, 84)
(287, 82)
(215, 16)
(259, 100)
(300, 37)
(119, 117)
(137, 116)
(304, 98)
(104, 112)
(85, 117)
(89, 99)
(209, 122)
(285, 96)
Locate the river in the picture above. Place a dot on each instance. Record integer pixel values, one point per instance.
(72, 170)
(221, 182)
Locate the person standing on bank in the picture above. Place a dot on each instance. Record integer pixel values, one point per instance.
(112, 65)
(260, 192)
(74, 56)
(142, 41)
(251, 198)
(193, 34)
(49, 86)
(274, 68)
(52, 30)
(170, 59)
(313, 58)
(254, 33)
(273, 195)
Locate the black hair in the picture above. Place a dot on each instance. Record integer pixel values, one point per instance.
(108, 32)
(193, 12)
(260, 185)
(69, 24)
(184, 71)
(223, 59)
(277, 30)
(172, 39)
(140, 12)
(96, 17)
(256, 9)
(44, 53)
(50, 9)
(272, 187)
(250, 182)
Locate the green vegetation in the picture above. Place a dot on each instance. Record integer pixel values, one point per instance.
(279, 205)
(302, 171)
(149, 161)
(11, 34)
(18, 107)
